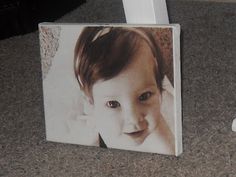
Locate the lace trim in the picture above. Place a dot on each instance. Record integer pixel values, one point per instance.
(49, 44)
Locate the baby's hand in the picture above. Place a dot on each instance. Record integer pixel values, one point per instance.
(81, 128)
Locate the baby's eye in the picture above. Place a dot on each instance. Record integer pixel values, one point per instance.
(113, 104)
(145, 96)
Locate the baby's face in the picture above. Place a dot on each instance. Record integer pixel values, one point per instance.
(127, 107)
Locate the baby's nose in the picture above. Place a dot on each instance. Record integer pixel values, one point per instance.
(134, 121)
(131, 128)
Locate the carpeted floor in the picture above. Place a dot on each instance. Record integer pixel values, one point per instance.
(209, 102)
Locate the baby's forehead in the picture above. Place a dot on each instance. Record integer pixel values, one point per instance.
(143, 56)
(136, 75)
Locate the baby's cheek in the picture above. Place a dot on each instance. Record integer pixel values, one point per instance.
(153, 115)
(109, 122)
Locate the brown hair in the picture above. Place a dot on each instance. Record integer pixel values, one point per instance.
(101, 53)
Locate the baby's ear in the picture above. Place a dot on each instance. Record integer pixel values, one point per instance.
(88, 105)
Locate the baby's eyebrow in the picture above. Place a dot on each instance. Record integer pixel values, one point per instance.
(110, 96)
(148, 86)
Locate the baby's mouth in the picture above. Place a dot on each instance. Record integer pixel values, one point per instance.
(136, 134)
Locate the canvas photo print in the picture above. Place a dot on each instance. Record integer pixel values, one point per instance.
(113, 86)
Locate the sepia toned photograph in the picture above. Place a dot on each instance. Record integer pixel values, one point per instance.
(112, 86)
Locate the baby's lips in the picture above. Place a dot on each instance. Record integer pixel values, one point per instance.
(136, 133)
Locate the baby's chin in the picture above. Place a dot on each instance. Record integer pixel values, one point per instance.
(127, 142)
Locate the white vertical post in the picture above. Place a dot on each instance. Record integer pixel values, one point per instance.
(146, 11)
